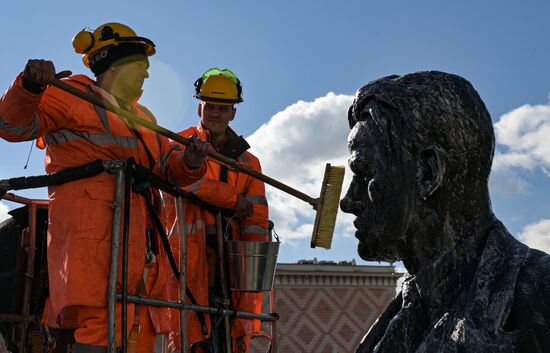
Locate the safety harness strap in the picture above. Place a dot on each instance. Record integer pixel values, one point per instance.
(170, 254)
(64, 176)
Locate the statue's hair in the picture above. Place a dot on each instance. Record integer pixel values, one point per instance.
(439, 109)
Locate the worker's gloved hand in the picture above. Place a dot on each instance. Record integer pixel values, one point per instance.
(42, 72)
(243, 207)
(195, 153)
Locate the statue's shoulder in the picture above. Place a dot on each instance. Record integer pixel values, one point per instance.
(533, 277)
(527, 271)
(530, 312)
(536, 270)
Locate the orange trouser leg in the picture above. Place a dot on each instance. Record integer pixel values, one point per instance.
(147, 335)
(93, 327)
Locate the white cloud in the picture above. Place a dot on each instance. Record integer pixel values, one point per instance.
(537, 235)
(510, 160)
(522, 133)
(4, 211)
(525, 132)
(505, 180)
(294, 145)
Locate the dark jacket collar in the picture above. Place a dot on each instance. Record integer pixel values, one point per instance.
(233, 146)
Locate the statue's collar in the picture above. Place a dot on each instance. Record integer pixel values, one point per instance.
(476, 278)
(492, 289)
(443, 278)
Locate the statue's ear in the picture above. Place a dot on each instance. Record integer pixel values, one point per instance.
(431, 170)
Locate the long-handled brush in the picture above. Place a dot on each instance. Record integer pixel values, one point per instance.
(326, 204)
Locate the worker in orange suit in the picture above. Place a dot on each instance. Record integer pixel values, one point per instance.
(75, 133)
(218, 91)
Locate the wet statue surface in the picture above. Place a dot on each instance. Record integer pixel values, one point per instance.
(421, 148)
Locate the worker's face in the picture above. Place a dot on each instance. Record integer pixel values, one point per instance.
(382, 190)
(129, 78)
(215, 118)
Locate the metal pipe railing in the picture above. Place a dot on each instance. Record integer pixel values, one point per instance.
(183, 268)
(118, 168)
(203, 309)
(220, 259)
(272, 303)
(125, 241)
(29, 241)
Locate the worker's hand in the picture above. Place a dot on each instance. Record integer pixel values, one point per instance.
(243, 207)
(42, 72)
(195, 153)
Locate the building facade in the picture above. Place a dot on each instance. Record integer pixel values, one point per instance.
(327, 307)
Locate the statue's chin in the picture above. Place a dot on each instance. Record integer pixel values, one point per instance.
(374, 250)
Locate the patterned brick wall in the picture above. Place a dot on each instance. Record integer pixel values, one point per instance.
(327, 312)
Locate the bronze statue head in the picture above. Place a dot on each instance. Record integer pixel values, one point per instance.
(421, 147)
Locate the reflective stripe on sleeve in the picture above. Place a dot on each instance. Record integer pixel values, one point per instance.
(20, 130)
(98, 139)
(193, 188)
(195, 227)
(102, 114)
(257, 200)
(190, 228)
(164, 158)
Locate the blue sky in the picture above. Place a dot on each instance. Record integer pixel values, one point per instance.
(300, 63)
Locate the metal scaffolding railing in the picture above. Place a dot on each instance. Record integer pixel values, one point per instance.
(125, 172)
(29, 244)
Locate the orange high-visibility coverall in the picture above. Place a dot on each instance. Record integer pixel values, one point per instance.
(200, 222)
(80, 212)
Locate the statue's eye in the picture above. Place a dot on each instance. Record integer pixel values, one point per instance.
(363, 170)
(368, 174)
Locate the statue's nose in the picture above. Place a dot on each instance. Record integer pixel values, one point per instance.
(351, 203)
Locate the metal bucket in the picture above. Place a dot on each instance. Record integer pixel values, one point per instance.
(252, 265)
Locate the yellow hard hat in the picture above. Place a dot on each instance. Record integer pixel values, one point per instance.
(107, 35)
(217, 86)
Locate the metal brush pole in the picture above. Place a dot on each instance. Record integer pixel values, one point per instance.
(172, 135)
